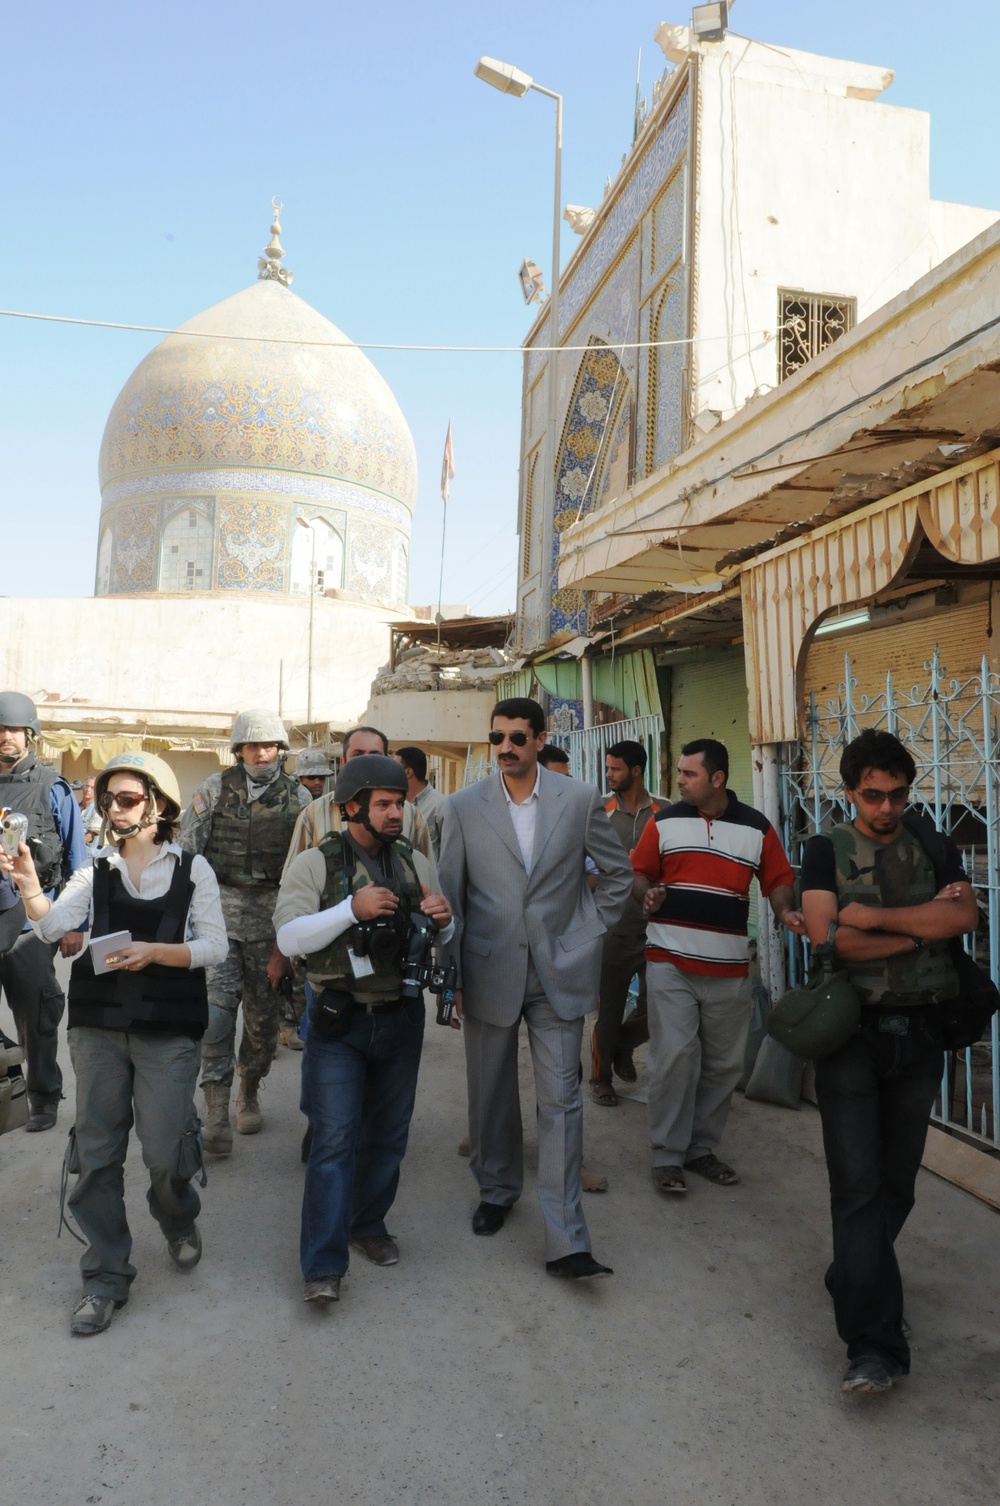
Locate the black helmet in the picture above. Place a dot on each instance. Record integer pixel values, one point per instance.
(369, 771)
(17, 710)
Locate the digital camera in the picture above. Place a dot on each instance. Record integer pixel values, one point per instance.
(13, 831)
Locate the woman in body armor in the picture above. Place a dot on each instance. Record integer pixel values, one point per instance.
(349, 907)
(136, 1017)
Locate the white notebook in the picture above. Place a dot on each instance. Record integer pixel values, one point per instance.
(103, 947)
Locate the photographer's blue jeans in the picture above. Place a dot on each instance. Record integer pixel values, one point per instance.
(358, 1094)
(875, 1097)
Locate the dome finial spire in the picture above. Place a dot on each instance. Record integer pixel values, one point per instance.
(269, 263)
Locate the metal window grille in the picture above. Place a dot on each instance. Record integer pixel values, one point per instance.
(807, 324)
(951, 729)
(587, 748)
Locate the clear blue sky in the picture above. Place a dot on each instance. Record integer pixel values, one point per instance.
(143, 142)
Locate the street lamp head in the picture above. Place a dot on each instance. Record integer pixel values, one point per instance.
(532, 285)
(503, 76)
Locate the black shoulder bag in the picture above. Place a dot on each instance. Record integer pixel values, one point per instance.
(965, 1018)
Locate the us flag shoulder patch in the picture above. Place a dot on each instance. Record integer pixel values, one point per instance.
(199, 802)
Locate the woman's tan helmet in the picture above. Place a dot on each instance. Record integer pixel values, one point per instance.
(161, 779)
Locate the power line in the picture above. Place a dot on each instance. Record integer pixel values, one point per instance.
(345, 344)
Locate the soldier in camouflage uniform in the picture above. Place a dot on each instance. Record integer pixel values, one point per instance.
(312, 770)
(242, 822)
(873, 884)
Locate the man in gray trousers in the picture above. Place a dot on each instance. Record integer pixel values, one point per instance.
(529, 935)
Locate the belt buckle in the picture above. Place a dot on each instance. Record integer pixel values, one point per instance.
(894, 1024)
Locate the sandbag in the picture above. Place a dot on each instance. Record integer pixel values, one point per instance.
(758, 1030)
(776, 1077)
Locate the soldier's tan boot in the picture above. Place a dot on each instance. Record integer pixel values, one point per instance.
(216, 1132)
(248, 1116)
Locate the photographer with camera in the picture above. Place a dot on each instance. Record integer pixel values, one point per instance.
(361, 908)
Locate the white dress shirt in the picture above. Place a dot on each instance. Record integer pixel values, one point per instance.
(204, 931)
(524, 817)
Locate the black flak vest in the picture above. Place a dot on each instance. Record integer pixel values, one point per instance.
(170, 1000)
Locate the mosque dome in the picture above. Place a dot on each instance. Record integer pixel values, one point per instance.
(257, 449)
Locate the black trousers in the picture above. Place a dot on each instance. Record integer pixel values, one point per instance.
(28, 978)
(624, 956)
(875, 1097)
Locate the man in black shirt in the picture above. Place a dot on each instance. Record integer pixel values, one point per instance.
(872, 883)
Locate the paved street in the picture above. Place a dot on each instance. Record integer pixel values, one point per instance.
(706, 1372)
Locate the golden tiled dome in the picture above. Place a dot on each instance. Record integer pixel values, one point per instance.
(261, 380)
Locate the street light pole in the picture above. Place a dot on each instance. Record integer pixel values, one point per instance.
(549, 515)
(511, 80)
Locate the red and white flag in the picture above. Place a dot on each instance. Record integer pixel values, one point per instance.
(447, 466)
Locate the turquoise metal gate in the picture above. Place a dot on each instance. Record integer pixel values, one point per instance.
(951, 729)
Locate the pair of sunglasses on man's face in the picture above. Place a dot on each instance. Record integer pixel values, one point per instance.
(517, 738)
(125, 801)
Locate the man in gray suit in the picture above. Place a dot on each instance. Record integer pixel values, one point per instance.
(528, 936)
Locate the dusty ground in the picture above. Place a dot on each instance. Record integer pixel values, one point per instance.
(706, 1372)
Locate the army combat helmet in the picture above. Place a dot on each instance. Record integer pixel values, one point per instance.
(257, 727)
(313, 764)
(17, 710)
(359, 776)
(160, 778)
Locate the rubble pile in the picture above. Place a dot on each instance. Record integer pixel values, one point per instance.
(445, 669)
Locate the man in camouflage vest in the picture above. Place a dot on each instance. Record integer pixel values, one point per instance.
(347, 907)
(242, 822)
(872, 883)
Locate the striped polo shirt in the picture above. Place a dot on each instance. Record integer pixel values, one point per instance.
(707, 866)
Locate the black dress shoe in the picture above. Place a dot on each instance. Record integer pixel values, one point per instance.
(580, 1266)
(43, 1118)
(488, 1218)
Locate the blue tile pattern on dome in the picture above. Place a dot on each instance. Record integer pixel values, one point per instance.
(274, 483)
(251, 545)
(133, 561)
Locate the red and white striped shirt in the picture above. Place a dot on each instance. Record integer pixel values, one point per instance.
(707, 867)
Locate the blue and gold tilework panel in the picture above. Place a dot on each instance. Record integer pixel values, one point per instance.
(252, 543)
(564, 716)
(667, 239)
(644, 180)
(592, 423)
(666, 371)
(370, 560)
(136, 535)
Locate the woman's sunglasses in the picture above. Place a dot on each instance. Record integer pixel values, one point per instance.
(517, 738)
(125, 802)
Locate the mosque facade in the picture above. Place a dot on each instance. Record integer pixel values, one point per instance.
(258, 481)
(257, 449)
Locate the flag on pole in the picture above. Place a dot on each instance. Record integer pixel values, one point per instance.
(447, 466)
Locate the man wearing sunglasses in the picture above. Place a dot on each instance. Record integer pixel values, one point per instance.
(873, 883)
(529, 935)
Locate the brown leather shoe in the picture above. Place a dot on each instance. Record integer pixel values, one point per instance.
(321, 1291)
(380, 1249)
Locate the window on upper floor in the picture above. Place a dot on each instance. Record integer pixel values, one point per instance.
(807, 324)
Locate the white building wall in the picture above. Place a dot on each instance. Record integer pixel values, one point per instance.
(803, 185)
(190, 661)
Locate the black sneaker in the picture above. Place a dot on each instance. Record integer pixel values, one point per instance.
(868, 1374)
(580, 1266)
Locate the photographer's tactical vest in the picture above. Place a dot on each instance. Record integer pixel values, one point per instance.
(26, 789)
(892, 874)
(167, 999)
(249, 839)
(331, 968)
